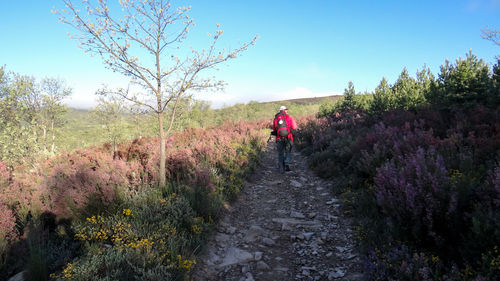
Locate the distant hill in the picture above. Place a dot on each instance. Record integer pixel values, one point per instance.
(315, 100)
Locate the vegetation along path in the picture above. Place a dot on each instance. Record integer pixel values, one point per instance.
(283, 227)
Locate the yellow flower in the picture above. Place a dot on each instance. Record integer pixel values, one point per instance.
(127, 212)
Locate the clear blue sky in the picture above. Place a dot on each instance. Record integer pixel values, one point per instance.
(305, 47)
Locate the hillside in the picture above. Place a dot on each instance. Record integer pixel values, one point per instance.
(81, 128)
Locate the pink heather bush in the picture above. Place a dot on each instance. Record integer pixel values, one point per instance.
(384, 143)
(4, 176)
(75, 178)
(416, 194)
(7, 223)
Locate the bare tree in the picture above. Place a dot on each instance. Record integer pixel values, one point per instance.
(491, 34)
(142, 41)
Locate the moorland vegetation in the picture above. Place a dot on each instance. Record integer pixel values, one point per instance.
(417, 163)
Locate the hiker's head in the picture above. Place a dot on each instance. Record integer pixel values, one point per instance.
(283, 108)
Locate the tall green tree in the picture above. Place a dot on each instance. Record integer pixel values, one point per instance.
(141, 45)
(462, 84)
(407, 92)
(383, 99)
(349, 102)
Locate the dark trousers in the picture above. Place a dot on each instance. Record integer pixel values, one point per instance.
(284, 147)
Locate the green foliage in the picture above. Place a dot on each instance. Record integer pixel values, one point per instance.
(30, 112)
(383, 99)
(462, 84)
(408, 94)
(495, 90)
(348, 102)
(111, 112)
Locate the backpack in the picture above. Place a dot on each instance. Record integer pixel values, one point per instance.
(282, 126)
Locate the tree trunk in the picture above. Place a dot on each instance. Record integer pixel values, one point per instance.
(53, 137)
(44, 138)
(163, 154)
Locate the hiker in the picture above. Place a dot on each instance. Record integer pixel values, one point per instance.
(283, 128)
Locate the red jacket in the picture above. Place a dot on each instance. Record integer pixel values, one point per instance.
(290, 123)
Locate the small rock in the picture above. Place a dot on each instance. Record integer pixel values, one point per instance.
(349, 256)
(336, 273)
(244, 269)
(236, 256)
(329, 254)
(257, 256)
(324, 236)
(268, 241)
(285, 226)
(331, 218)
(280, 268)
(249, 277)
(262, 265)
(301, 236)
(231, 230)
(308, 235)
(306, 273)
(19, 277)
(221, 238)
(253, 232)
(296, 184)
(297, 215)
(311, 215)
(341, 249)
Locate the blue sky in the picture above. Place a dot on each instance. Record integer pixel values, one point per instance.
(305, 48)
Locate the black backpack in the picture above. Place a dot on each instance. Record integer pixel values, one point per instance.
(282, 126)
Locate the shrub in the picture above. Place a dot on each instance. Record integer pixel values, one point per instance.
(415, 195)
(82, 178)
(401, 264)
(150, 240)
(7, 232)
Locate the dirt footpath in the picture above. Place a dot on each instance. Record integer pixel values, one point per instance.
(282, 227)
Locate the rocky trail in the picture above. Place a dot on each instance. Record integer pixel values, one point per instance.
(287, 227)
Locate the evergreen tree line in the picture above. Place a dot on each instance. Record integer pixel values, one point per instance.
(461, 85)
